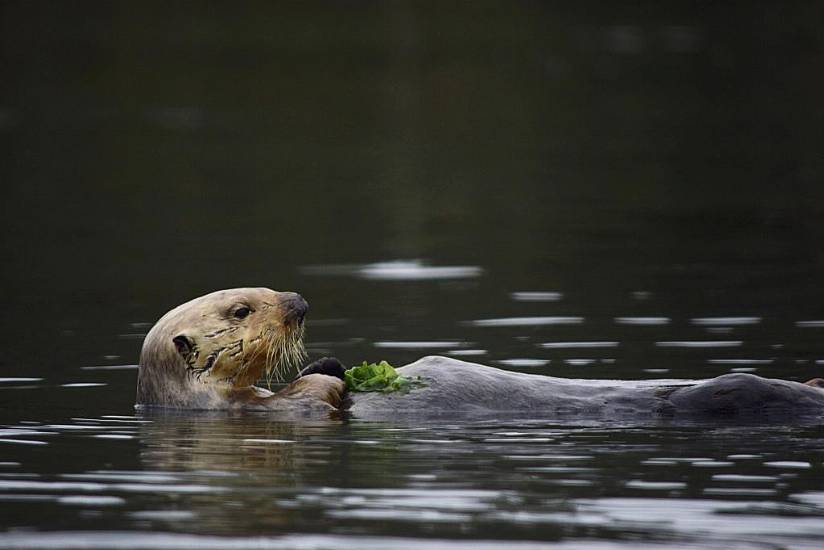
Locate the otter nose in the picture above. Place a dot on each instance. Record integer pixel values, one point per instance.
(294, 307)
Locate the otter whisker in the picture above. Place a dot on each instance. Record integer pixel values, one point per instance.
(285, 350)
(274, 357)
(248, 361)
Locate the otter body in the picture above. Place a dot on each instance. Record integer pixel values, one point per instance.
(453, 385)
(209, 352)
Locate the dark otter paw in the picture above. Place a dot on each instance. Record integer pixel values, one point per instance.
(329, 366)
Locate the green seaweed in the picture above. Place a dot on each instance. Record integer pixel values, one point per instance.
(379, 377)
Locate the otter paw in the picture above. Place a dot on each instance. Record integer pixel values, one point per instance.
(329, 366)
(317, 388)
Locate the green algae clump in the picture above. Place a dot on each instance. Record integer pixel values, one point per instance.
(380, 377)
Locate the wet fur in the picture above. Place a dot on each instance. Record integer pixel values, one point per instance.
(200, 356)
(452, 385)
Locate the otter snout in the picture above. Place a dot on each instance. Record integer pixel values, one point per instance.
(294, 307)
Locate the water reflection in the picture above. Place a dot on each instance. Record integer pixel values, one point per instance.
(725, 321)
(537, 296)
(217, 442)
(522, 479)
(398, 270)
(396, 476)
(642, 320)
(527, 321)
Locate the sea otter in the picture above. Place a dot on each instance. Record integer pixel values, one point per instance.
(208, 354)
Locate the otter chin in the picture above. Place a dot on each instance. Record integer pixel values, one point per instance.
(211, 351)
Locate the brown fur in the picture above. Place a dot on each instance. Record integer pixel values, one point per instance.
(203, 355)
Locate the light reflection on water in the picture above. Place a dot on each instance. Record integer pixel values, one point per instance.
(240, 476)
(397, 270)
(253, 481)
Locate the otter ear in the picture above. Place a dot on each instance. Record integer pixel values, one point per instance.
(184, 345)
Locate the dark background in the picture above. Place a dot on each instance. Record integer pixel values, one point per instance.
(154, 151)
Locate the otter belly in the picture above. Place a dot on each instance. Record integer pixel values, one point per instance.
(458, 386)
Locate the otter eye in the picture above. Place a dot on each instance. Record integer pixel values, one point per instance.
(242, 312)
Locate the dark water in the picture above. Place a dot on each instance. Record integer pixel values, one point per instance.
(593, 191)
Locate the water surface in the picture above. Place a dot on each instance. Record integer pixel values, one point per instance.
(594, 191)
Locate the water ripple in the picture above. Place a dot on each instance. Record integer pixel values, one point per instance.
(652, 321)
(699, 344)
(423, 344)
(400, 270)
(725, 321)
(536, 296)
(526, 321)
(578, 345)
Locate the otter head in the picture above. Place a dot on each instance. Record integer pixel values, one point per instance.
(200, 351)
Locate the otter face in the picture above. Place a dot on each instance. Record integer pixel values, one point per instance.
(240, 335)
(230, 337)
